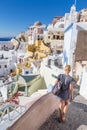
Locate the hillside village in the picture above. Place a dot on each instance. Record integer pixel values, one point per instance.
(65, 34)
(28, 65)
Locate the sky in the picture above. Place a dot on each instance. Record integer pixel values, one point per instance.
(17, 15)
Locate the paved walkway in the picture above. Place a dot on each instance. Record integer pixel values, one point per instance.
(76, 116)
(23, 101)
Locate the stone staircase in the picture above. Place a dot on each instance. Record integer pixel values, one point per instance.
(36, 114)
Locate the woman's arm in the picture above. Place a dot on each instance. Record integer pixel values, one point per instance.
(56, 81)
(57, 78)
(71, 92)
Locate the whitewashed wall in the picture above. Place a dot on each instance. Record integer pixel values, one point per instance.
(47, 74)
(67, 47)
(83, 87)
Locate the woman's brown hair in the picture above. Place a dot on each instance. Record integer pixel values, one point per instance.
(68, 68)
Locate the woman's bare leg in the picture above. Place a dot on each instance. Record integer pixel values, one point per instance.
(61, 107)
(66, 105)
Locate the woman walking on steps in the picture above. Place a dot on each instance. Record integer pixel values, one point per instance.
(66, 92)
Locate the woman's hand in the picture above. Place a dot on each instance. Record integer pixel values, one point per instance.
(71, 98)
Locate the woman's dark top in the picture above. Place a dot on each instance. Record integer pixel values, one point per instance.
(65, 88)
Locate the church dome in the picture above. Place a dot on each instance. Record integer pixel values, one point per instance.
(37, 23)
(61, 26)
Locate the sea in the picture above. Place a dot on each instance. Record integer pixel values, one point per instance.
(5, 41)
(5, 38)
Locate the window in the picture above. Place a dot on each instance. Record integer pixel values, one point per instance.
(38, 38)
(48, 37)
(62, 37)
(5, 66)
(57, 37)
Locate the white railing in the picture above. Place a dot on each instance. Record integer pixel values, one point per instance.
(11, 111)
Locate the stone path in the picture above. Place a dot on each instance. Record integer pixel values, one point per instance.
(76, 116)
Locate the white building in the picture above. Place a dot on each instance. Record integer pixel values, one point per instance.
(54, 35)
(36, 32)
(75, 46)
(70, 35)
(7, 62)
